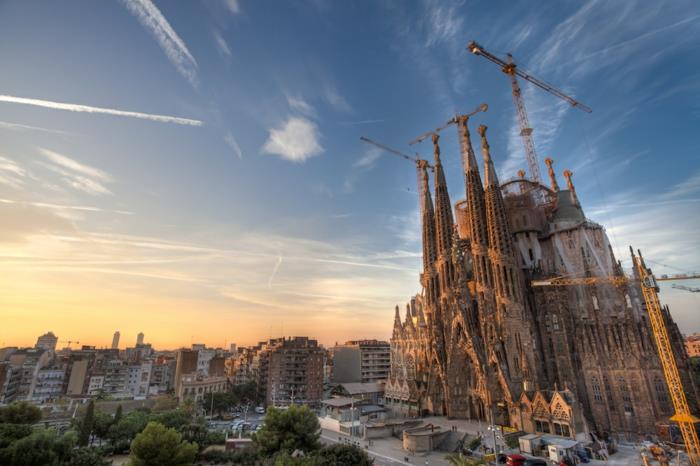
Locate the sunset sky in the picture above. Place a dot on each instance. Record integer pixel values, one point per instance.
(193, 170)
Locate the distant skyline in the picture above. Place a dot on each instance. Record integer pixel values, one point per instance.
(193, 170)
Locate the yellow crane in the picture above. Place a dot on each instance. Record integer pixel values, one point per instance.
(686, 421)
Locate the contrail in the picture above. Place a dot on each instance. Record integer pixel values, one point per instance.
(274, 271)
(174, 47)
(107, 111)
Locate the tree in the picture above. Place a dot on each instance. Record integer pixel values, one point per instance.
(287, 430)
(342, 454)
(123, 432)
(20, 413)
(221, 402)
(101, 424)
(42, 448)
(10, 433)
(86, 425)
(159, 446)
(88, 456)
(118, 414)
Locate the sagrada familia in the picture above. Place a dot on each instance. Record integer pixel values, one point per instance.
(492, 337)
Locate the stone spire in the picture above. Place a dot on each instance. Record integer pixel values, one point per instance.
(444, 223)
(552, 176)
(427, 218)
(398, 328)
(500, 240)
(474, 188)
(570, 184)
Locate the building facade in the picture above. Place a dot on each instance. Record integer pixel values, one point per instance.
(294, 372)
(489, 324)
(361, 361)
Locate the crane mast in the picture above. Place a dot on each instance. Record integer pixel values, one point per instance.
(686, 421)
(510, 68)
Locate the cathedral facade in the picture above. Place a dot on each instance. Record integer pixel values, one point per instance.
(492, 337)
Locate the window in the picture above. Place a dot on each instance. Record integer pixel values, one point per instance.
(532, 257)
(595, 386)
(660, 388)
(595, 303)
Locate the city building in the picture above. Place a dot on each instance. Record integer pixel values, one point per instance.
(47, 341)
(48, 385)
(195, 386)
(490, 324)
(139, 339)
(692, 345)
(294, 373)
(361, 361)
(115, 340)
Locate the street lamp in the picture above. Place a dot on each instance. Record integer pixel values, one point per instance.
(494, 430)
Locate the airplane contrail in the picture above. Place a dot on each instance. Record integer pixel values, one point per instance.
(106, 111)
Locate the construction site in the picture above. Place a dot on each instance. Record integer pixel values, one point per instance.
(525, 318)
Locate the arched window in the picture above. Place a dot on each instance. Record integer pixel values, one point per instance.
(595, 303)
(626, 395)
(628, 300)
(595, 385)
(660, 388)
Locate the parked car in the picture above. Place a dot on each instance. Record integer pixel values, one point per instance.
(260, 410)
(520, 460)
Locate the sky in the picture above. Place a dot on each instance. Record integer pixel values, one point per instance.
(193, 170)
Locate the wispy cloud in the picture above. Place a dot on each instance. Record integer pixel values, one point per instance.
(20, 127)
(442, 23)
(11, 174)
(77, 175)
(233, 6)
(221, 44)
(233, 144)
(300, 105)
(335, 99)
(689, 186)
(174, 47)
(61, 207)
(296, 140)
(90, 109)
(367, 160)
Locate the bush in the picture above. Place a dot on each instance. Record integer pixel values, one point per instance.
(338, 454)
(246, 457)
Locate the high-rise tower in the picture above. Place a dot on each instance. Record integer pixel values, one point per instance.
(115, 340)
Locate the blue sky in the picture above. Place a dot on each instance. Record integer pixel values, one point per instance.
(250, 208)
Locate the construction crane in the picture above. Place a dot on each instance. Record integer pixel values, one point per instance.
(451, 121)
(413, 158)
(692, 289)
(564, 281)
(70, 342)
(686, 421)
(421, 168)
(511, 69)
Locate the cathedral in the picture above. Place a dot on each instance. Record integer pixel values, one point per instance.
(494, 336)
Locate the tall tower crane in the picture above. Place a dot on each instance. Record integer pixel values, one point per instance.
(509, 67)
(686, 421)
(451, 121)
(421, 166)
